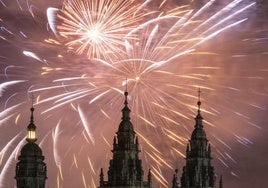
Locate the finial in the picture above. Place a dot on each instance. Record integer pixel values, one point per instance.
(199, 101)
(199, 117)
(101, 173)
(126, 110)
(32, 109)
(101, 177)
(114, 141)
(31, 137)
(126, 93)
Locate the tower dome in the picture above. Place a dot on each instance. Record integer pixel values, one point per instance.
(31, 149)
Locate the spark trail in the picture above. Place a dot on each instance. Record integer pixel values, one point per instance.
(77, 70)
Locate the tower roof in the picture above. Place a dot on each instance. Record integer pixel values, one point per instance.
(198, 171)
(125, 125)
(31, 149)
(125, 168)
(198, 132)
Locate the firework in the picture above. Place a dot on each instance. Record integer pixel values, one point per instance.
(78, 77)
(95, 28)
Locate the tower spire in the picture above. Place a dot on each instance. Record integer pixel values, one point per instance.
(199, 118)
(126, 110)
(32, 110)
(31, 137)
(126, 93)
(31, 169)
(199, 100)
(125, 168)
(198, 171)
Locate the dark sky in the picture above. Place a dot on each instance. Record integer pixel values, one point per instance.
(78, 97)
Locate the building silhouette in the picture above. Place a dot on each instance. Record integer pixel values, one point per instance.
(31, 170)
(198, 171)
(125, 168)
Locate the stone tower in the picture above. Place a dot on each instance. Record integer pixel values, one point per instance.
(125, 167)
(198, 172)
(31, 170)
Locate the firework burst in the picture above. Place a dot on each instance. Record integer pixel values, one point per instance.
(80, 94)
(95, 28)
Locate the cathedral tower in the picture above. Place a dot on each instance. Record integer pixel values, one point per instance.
(125, 167)
(31, 170)
(198, 172)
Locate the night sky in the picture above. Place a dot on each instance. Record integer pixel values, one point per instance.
(76, 72)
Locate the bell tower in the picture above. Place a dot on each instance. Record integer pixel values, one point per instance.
(31, 170)
(125, 167)
(198, 171)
